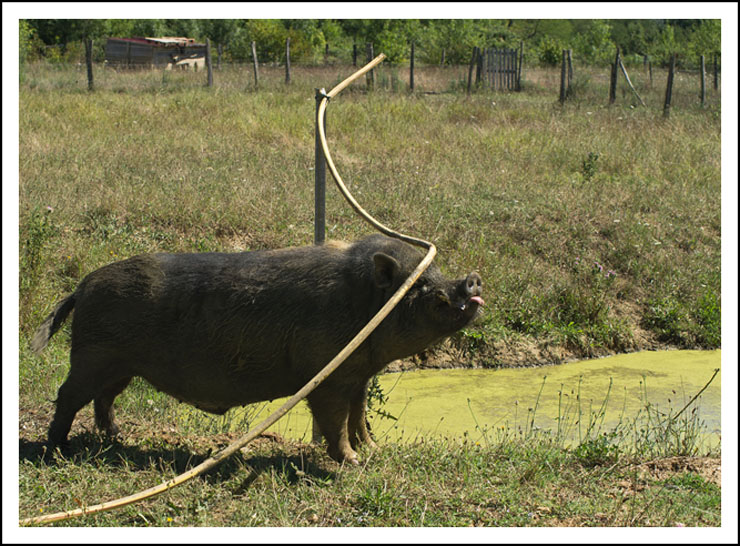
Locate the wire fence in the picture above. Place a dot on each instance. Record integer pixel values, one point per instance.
(585, 84)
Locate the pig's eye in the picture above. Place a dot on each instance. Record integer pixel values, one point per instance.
(442, 298)
(422, 287)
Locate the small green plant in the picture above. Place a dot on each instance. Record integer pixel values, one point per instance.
(35, 233)
(377, 399)
(475, 339)
(708, 315)
(597, 451)
(376, 500)
(667, 318)
(588, 166)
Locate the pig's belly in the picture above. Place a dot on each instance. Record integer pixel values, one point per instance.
(216, 390)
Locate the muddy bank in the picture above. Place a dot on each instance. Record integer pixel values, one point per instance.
(461, 352)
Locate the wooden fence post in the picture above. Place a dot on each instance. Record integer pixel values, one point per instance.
(326, 53)
(88, 61)
(716, 72)
(354, 54)
(442, 63)
(411, 67)
(470, 70)
(254, 59)
(507, 67)
(219, 54)
(669, 87)
(563, 72)
(209, 64)
(519, 68)
(497, 68)
(479, 66)
(487, 69)
(703, 83)
(613, 81)
(570, 71)
(287, 60)
(370, 76)
(648, 66)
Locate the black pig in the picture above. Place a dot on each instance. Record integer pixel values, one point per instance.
(218, 330)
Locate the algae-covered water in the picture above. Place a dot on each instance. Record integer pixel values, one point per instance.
(480, 403)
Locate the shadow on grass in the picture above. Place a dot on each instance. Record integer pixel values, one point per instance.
(94, 449)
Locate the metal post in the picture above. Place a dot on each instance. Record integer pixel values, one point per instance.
(319, 232)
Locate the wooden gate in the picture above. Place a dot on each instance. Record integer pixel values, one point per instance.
(500, 69)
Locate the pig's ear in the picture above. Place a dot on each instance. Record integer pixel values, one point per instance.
(386, 269)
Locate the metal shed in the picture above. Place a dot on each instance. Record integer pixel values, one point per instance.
(165, 52)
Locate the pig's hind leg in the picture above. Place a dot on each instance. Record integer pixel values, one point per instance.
(359, 433)
(104, 419)
(87, 380)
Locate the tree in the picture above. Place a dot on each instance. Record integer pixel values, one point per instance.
(706, 38)
(28, 42)
(592, 40)
(456, 37)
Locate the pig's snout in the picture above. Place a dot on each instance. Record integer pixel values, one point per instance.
(473, 285)
(471, 289)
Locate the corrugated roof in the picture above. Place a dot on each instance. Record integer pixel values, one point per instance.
(164, 41)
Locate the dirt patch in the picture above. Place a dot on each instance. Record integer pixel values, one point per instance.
(710, 469)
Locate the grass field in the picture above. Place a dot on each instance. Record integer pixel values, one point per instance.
(596, 230)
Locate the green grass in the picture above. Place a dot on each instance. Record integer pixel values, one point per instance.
(586, 222)
(430, 482)
(596, 230)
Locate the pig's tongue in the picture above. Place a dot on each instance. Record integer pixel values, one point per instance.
(478, 300)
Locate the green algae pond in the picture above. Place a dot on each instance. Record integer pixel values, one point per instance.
(572, 400)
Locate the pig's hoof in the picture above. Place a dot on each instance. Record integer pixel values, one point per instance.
(51, 447)
(112, 432)
(347, 456)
